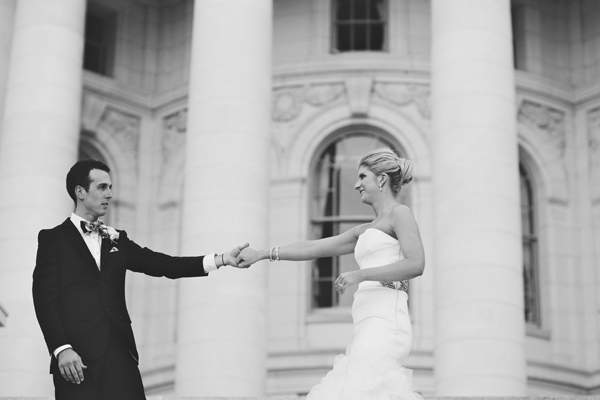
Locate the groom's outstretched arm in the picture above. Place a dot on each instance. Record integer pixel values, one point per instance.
(155, 263)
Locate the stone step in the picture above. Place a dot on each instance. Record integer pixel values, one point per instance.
(300, 398)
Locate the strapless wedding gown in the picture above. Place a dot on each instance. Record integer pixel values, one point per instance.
(371, 368)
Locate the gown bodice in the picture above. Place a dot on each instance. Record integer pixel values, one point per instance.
(375, 248)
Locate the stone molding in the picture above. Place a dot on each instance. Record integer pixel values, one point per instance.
(545, 119)
(124, 127)
(92, 110)
(288, 101)
(403, 94)
(593, 128)
(302, 397)
(173, 136)
(318, 95)
(358, 90)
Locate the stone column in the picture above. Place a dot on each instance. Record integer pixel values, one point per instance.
(480, 329)
(7, 16)
(39, 142)
(221, 322)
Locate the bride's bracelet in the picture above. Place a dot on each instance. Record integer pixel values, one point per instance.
(276, 257)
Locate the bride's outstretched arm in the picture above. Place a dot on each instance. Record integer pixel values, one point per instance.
(305, 250)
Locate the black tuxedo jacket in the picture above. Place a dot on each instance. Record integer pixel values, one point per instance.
(75, 302)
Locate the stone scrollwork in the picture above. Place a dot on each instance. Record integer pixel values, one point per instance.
(92, 110)
(321, 94)
(287, 104)
(593, 121)
(405, 93)
(593, 128)
(174, 129)
(124, 126)
(288, 101)
(547, 119)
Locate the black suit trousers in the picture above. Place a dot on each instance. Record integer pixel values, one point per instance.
(115, 376)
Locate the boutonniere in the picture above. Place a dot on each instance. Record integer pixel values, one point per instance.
(113, 235)
(108, 232)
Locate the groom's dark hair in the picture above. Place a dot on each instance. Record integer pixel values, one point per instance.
(79, 175)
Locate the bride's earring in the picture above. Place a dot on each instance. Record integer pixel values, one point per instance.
(381, 187)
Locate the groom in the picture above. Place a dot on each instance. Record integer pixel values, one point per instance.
(79, 292)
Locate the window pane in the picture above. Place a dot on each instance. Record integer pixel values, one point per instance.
(343, 10)
(359, 25)
(100, 32)
(530, 262)
(360, 36)
(376, 36)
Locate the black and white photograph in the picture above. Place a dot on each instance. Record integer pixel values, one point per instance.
(299, 199)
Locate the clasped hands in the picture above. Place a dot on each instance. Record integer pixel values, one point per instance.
(242, 256)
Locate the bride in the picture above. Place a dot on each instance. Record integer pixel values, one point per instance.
(389, 252)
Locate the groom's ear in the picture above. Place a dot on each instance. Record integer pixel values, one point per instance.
(80, 192)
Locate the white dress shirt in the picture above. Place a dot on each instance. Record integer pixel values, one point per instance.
(91, 239)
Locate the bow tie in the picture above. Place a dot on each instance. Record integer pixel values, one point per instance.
(98, 227)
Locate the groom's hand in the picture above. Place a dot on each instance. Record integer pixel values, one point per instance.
(231, 258)
(70, 365)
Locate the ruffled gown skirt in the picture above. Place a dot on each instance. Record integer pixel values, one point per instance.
(371, 368)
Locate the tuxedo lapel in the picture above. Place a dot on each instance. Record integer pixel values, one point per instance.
(79, 243)
(104, 252)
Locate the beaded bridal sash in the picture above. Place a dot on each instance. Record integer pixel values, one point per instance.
(400, 285)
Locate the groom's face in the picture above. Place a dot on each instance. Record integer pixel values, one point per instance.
(97, 197)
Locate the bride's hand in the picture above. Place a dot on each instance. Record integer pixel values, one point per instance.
(347, 279)
(231, 258)
(247, 257)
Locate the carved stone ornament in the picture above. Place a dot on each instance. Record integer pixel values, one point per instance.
(287, 104)
(288, 101)
(92, 110)
(547, 119)
(593, 128)
(321, 94)
(593, 118)
(125, 127)
(174, 129)
(405, 93)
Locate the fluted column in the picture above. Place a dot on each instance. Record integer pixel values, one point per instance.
(39, 143)
(479, 317)
(221, 322)
(7, 16)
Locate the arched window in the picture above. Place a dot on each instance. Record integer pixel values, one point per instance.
(336, 208)
(530, 249)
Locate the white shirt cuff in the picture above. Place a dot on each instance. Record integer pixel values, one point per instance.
(61, 348)
(209, 263)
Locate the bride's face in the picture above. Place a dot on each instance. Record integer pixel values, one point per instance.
(366, 184)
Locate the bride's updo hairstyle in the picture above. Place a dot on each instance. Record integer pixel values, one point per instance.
(399, 170)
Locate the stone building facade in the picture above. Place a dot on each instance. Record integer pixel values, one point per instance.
(226, 121)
